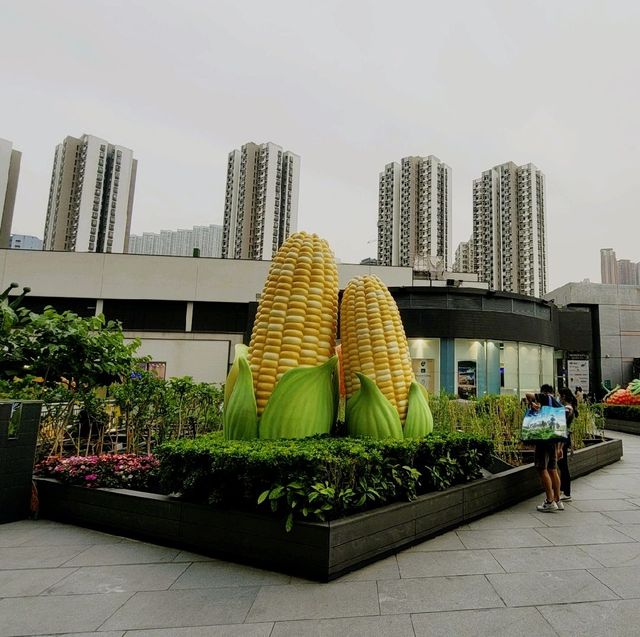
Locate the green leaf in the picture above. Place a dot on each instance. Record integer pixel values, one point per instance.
(263, 496)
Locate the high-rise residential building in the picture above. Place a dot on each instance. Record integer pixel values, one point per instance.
(91, 196)
(261, 201)
(464, 259)
(25, 242)
(208, 240)
(509, 229)
(608, 266)
(9, 171)
(618, 271)
(414, 212)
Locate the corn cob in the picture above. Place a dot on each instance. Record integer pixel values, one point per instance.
(295, 325)
(285, 384)
(374, 342)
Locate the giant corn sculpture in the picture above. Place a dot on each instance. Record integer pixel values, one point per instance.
(383, 398)
(284, 385)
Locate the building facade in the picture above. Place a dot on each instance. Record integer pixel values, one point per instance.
(189, 314)
(25, 242)
(464, 258)
(9, 172)
(414, 212)
(261, 201)
(207, 239)
(91, 196)
(618, 271)
(509, 229)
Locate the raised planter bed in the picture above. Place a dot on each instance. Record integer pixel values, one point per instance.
(626, 426)
(317, 550)
(19, 420)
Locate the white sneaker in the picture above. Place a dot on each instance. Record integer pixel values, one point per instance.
(547, 507)
(565, 498)
(560, 506)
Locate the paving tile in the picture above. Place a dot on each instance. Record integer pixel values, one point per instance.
(229, 630)
(584, 535)
(614, 554)
(544, 558)
(446, 542)
(384, 569)
(175, 609)
(41, 615)
(110, 633)
(385, 626)
(618, 618)
(319, 601)
(124, 553)
(595, 494)
(504, 521)
(186, 556)
(495, 622)
(604, 505)
(119, 579)
(624, 581)
(525, 589)
(625, 517)
(437, 593)
(215, 574)
(443, 563)
(634, 501)
(65, 534)
(630, 530)
(570, 517)
(16, 533)
(503, 538)
(21, 583)
(37, 556)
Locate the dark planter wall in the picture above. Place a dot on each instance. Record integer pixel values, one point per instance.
(19, 421)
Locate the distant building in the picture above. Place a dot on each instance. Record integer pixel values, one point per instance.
(608, 266)
(91, 196)
(509, 229)
(208, 240)
(25, 242)
(464, 258)
(261, 201)
(369, 261)
(414, 212)
(9, 171)
(618, 271)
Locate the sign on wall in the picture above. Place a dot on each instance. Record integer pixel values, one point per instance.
(578, 375)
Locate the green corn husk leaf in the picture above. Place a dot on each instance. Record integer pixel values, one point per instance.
(303, 403)
(240, 416)
(419, 420)
(241, 351)
(369, 413)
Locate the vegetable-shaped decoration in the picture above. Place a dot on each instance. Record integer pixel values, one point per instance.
(634, 387)
(291, 391)
(382, 394)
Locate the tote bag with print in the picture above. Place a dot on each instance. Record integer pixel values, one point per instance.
(548, 423)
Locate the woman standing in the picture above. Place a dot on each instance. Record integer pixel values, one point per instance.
(571, 407)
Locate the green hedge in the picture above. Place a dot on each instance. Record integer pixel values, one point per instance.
(319, 477)
(622, 412)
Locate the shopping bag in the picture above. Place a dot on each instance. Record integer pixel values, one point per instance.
(548, 423)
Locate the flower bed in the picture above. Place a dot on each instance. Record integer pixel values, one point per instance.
(127, 471)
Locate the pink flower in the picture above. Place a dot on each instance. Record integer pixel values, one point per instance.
(91, 477)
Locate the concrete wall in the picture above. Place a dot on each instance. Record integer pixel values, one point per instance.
(619, 313)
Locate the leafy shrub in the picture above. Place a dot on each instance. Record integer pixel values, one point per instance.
(622, 412)
(319, 477)
(127, 471)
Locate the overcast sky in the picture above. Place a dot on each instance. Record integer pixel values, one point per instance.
(349, 86)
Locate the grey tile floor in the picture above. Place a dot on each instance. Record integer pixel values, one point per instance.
(517, 572)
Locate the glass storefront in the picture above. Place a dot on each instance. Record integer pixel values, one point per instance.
(472, 367)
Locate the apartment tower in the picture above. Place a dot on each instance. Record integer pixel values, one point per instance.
(91, 196)
(509, 229)
(608, 266)
(9, 171)
(464, 258)
(414, 212)
(181, 242)
(261, 201)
